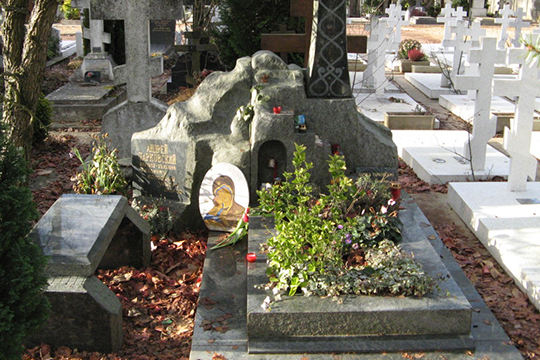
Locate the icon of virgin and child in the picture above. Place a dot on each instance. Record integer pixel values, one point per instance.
(225, 212)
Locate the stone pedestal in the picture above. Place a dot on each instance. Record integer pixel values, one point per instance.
(101, 62)
(78, 234)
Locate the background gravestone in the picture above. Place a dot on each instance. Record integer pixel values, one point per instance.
(162, 34)
(328, 65)
(140, 111)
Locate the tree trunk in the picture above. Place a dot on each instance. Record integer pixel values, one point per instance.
(25, 56)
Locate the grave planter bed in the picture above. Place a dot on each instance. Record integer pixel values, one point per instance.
(440, 320)
(408, 121)
(405, 65)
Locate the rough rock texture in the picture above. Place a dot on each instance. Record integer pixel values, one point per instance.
(172, 158)
(127, 118)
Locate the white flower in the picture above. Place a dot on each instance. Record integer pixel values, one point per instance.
(266, 303)
(391, 202)
(384, 209)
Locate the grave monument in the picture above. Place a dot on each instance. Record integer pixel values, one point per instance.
(484, 124)
(517, 139)
(140, 111)
(171, 159)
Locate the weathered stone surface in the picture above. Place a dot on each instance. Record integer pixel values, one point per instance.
(267, 60)
(443, 316)
(85, 315)
(80, 231)
(129, 117)
(206, 129)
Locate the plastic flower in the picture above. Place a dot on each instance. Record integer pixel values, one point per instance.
(348, 239)
(238, 234)
(340, 227)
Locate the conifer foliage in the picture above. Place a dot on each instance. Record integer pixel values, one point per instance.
(22, 305)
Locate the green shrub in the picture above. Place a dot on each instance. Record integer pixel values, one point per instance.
(53, 47)
(159, 216)
(22, 304)
(69, 12)
(42, 120)
(339, 243)
(101, 175)
(244, 21)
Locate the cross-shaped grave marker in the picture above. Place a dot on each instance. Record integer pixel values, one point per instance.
(374, 77)
(137, 15)
(484, 126)
(460, 44)
(505, 20)
(518, 24)
(97, 36)
(517, 139)
(446, 18)
(450, 18)
(396, 19)
(476, 32)
(300, 43)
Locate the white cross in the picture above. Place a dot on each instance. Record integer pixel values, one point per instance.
(518, 24)
(475, 32)
(484, 126)
(447, 19)
(137, 15)
(396, 18)
(460, 45)
(459, 14)
(374, 76)
(505, 20)
(517, 139)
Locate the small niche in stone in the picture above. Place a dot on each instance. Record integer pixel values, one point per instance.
(272, 162)
(79, 234)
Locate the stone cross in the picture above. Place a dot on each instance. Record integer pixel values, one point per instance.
(98, 37)
(460, 45)
(475, 32)
(505, 21)
(374, 77)
(137, 15)
(447, 18)
(484, 126)
(396, 19)
(517, 139)
(328, 64)
(450, 19)
(518, 25)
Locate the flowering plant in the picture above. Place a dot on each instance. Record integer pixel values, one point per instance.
(159, 216)
(416, 55)
(238, 234)
(101, 175)
(324, 241)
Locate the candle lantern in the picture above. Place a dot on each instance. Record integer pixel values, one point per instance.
(395, 190)
(336, 149)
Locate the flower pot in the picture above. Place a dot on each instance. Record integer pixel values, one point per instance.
(406, 65)
(408, 121)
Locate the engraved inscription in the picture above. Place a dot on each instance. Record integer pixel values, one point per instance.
(160, 166)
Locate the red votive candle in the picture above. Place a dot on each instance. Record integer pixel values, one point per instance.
(251, 257)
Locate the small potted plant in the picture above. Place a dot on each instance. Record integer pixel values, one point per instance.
(410, 53)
